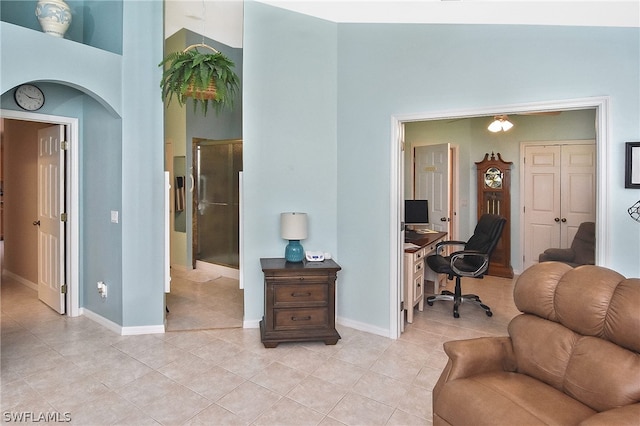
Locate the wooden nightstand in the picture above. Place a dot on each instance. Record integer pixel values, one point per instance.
(299, 302)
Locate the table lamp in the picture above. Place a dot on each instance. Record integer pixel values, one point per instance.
(293, 227)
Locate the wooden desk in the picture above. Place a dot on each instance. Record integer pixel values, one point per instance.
(416, 273)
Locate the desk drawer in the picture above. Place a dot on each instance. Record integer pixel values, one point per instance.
(419, 255)
(300, 295)
(300, 318)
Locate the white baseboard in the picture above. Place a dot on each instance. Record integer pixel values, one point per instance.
(117, 328)
(21, 280)
(251, 324)
(363, 327)
(218, 270)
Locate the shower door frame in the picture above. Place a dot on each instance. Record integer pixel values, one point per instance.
(195, 192)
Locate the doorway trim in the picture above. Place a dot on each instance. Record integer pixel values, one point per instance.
(72, 233)
(600, 104)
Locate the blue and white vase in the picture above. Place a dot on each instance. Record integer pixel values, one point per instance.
(54, 16)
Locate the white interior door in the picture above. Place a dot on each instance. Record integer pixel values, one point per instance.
(542, 200)
(578, 189)
(431, 182)
(559, 193)
(50, 225)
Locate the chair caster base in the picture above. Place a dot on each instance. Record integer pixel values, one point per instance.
(458, 300)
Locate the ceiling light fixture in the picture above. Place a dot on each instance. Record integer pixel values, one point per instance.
(500, 122)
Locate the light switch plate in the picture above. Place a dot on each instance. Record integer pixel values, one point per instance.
(114, 216)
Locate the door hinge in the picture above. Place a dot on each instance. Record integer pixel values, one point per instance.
(63, 289)
(63, 217)
(64, 145)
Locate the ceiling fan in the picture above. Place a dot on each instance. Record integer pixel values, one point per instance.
(505, 116)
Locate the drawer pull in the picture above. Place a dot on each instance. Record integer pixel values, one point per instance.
(306, 294)
(307, 318)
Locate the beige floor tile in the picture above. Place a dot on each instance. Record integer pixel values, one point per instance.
(287, 412)
(400, 418)
(177, 407)
(279, 378)
(381, 388)
(339, 372)
(225, 375)
(216, 415)
(248, 400)
(355, 409)
(317, 394)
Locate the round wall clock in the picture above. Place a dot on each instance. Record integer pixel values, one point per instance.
(493, 177)
(29, 97)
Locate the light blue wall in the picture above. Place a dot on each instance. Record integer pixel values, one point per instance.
(101, 191)
(474, 140)
(96, 23)
(402, 69)
(289, 136)
(117, 101)
(393, 69)
(142, 165)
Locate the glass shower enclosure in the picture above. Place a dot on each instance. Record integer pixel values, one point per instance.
(216, 201)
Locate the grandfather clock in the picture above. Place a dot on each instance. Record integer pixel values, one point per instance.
(494, 197)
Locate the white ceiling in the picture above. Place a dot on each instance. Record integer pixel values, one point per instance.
(224, 18)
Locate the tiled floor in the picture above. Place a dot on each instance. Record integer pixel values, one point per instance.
(55, 364)
(200, 300)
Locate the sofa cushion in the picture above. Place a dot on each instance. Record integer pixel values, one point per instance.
(603, 375)
(590, 300)
(509, 399)
(594, 371)
(542, 348)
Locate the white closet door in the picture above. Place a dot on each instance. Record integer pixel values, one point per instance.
(559, 182)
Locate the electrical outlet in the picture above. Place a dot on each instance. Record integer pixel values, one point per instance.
(102, 289)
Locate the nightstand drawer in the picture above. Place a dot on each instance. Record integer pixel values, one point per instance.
(300, 318)
(295, 279)
(300, 294)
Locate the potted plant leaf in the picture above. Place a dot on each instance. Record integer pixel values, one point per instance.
(204, 77)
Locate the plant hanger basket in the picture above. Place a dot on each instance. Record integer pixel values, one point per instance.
(209, 93)
(206, 78)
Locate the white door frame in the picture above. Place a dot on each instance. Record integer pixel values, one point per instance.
(600, 104)
(72, 248)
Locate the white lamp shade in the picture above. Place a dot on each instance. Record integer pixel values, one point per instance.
(293, 226)
(495, 126)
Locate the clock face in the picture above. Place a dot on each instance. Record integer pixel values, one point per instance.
(493, 177)
(29, 97)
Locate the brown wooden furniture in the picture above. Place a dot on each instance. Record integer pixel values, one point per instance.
(299, 302)
(494, 197)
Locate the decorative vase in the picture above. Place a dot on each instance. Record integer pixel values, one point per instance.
(54, 16)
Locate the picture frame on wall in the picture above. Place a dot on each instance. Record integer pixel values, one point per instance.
(632, 165)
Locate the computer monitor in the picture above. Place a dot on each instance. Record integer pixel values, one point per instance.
(416, 212)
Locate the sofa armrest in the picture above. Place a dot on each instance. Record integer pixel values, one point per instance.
(621, 416)
(557, 254)
(476, 356)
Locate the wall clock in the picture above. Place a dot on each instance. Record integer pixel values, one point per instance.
(29, 97)
(494, 197)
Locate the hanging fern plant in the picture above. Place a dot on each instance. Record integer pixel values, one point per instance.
(206, 78)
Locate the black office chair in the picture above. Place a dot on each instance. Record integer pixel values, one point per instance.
(472, 261)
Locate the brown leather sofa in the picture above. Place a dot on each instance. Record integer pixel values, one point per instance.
(571, 358)
(581, 252)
